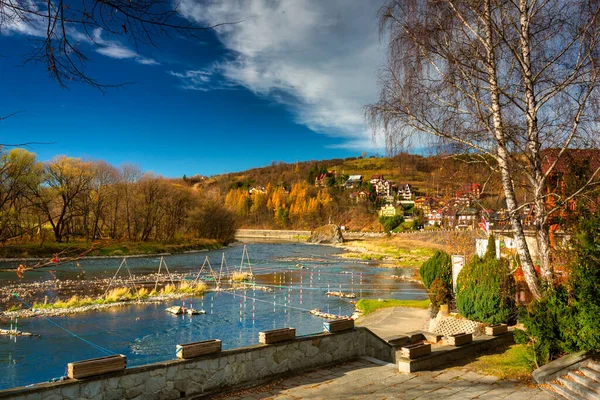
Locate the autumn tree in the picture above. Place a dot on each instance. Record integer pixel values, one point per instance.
(65, 179)
(19, 174)
(504, 80)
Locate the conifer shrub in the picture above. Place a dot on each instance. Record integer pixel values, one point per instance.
(438, 266)
(439, 293)
(485, 289)
(566, 319)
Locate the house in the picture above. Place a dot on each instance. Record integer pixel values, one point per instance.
(257, 189)
(321, 180)
(387, 211)
(405, 191)
(574, 168)
(353, 182)
(435, 217)
(376, 178)
(468, 192)
(467, 218)
(383, 188)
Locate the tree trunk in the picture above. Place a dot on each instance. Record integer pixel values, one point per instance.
(503, 159)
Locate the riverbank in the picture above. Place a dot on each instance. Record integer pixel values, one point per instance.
(393, 252)
(33, 252)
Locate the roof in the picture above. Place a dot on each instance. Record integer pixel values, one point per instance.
(569, 157)
(354, 178)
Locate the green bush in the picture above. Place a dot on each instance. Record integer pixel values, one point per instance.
(438, 266)
(566, 319)
(547, 323)
(485, 289)
(390, 223)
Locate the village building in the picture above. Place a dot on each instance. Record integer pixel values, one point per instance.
(467, 218)
(387, 210)
(321, 180)
(257, 189)
(405, 191)
(353, 182)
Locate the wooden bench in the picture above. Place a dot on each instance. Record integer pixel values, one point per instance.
(197, 349)
(96, 366)
(416, 350)
(338, 325)
(459, 339)
(276, 335)
(495, 330)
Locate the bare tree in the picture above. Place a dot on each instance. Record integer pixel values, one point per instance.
(61, 29)
(504, 79)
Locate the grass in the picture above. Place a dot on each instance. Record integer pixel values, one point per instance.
(103, 249)
(405, 255)
(367, 306)
(515, 362)
(240, 276)
(123, 294)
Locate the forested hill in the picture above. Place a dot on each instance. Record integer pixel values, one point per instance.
(442, 175)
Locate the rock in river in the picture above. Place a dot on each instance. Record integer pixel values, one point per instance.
(327, 234)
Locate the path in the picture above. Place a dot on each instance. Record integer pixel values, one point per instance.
(367, 378)
(395, 321)
(362, 379)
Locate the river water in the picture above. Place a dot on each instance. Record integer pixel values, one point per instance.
(146, 333)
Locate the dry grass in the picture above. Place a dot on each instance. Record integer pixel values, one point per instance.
(186, 287)
(168, 289)
(118, 294)
(240, 276)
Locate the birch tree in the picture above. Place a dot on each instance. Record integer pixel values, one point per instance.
(503, 79)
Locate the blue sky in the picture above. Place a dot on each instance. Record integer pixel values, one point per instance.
(285, 84)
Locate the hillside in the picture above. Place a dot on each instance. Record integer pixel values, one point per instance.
(428, 175)
(284, 195)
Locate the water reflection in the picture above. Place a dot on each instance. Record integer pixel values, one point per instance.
(146, 333)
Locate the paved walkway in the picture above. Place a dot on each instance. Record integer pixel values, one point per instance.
(362, 379)
(395, 321)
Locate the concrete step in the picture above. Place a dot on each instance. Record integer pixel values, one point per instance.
(585, 381)
(563, 392)
(578, 389)
(591, 373)
(595, 365)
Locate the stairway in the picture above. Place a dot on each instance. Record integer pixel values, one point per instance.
(582, 383)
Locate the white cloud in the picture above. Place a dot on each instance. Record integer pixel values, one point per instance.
(115, 49)
(194, 79)
(318, 57)
(20, 23)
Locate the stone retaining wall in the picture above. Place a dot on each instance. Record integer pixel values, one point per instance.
(271, 234)
(229, 369)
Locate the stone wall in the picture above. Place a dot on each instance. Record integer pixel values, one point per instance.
(245, 366)
(272, 234)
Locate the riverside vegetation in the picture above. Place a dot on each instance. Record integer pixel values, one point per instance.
(119, 295)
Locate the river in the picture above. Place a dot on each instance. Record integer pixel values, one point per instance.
(146, 333)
